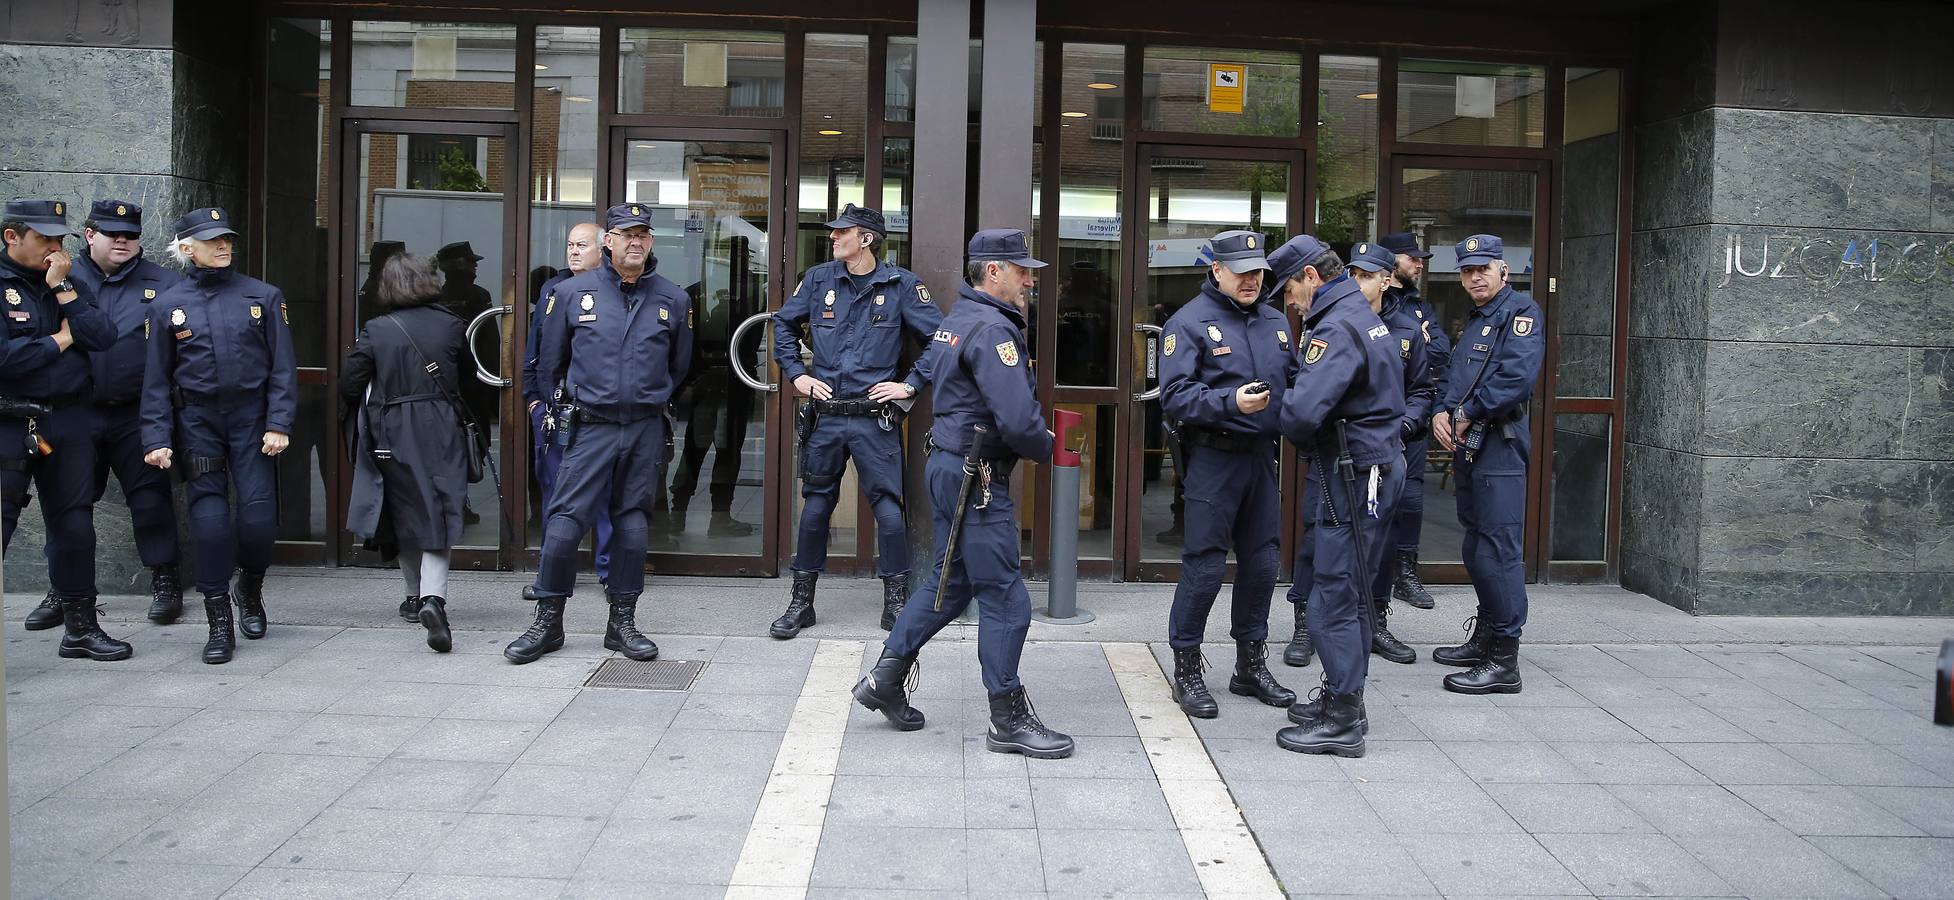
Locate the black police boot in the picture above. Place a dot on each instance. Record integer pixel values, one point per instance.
(895, 593)
(410, 609)
(1408, 587)
(1310, 710)
(1190, 689)
(722, 524)
(1338, 729)
(622, 633)
(165, 595)
(1015, 728)
(800, 607)
(433, 615)
(545, 635)
(1468, 654)
(1301, 648)
(1386, 644)
(85, 637)
(1498, 673)
(45, 616)
(218, 649)
(251, 604)
(886, 688)
(1252, 677)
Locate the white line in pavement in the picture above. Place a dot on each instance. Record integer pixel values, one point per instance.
(1224, 853)
(778, 859)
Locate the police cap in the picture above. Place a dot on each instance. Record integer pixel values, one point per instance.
(116, 216)
(853, 216)
(1240, 251)
(203, 224)
(1004, 244)
(1480, 249)
(1403, 242)
(1287, 261)
(628, 215)
(49, 217)
(1373, 258)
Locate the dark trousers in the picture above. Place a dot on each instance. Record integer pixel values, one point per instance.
(984, 567)
(64, 480)
(145, 488)
(1408, 526)
(237, 437)
(1329, 564)
(611, 467)
(1387, 556)
(1492, 509)
(547, 459)
(878, 466)
(1232, 503)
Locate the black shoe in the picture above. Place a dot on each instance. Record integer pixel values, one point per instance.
(1408, 587)
(886, 688)
(724, 525)
(433, 614)
(222, 643)
(85, 637)
(1468, 654)
(1309, 710)
(621, 633)
(1172, 534)
(1498, 673)
(45, 616)
(545, 635)
(1015, 728)
(165, 595)
(251, 604)
(1301, 648)
(800, 607)
(1252, 677)
(1387, 645)
(1190, 689)
(1338, 729)
(895, 593)
(410, 609)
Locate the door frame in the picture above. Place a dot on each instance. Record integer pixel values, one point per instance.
(1130, 418)
(1540, 465)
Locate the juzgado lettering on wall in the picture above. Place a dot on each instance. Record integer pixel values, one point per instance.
(1825, 262)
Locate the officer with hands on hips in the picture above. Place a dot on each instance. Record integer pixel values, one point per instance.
(1225, 362)
(1482, 419)
(853, 311)
(987, 418)
(1346, 410)
(125, 284)
(220, 391)
(46, 425)
(616, 342)
(1402, 300)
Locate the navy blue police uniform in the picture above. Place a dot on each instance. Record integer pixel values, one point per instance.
(546, 455)
(1491, 380)
(125, 296)
(33, 367)
(1211, 347)
(220, 375)
(1407, 527)
(1408, 341)
(1348, 395)
(855, 325)
(613, 351)
(987, 420)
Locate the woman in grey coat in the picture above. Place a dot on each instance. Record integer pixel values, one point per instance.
(410, 477)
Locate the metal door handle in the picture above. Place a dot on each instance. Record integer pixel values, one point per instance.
(481, 372)
(1153, 333)
(733, 354)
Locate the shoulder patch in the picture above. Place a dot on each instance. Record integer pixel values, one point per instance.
(945, 336)
(1007, 353)
(1523, 325)
(550, 307)
(1379, 331)
(1315, 351)
(1282, 337)
(1167, 346)
(1404, 347)
(923, 293)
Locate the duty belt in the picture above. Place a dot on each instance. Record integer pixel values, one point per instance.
(60, 401)
(589, 415)
(930, 446)
(848, 406)
(1230, 441)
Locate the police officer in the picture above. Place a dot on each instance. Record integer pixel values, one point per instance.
(125, 284)
(1345, 409)
(45, 421)
(1409, 523)
(616, 342)
(1482, 419)
(1225, 362)
(852, 310)
(220, 390)
(987, 418)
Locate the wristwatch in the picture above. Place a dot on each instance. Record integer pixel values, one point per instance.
(65, 287)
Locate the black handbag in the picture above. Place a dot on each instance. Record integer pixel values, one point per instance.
(479, 461)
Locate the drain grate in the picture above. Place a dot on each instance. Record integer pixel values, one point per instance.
(656, 675)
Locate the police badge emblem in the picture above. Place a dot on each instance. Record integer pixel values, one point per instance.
(830, 298)
(13, 297)
(257, 312)
(636, 211)
(1251, 242)
(284, 312)
(214, 215)
(149, 294)
(121, 210)
(1315, 351)
(1007, 353)
(588, 303)
(1214, 334)
(1404, 346)
(1167, 346)
(1282, 337)
(879, 298)
(550, 307)
(664, 315)
(1472, 243)
(923, 294)
(59, 209)
(1523, 325)
(176, 317)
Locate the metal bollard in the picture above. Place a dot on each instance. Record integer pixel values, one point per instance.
(1062, 591)
(1944, 685)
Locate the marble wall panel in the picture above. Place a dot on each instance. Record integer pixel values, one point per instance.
(1805, 400)
(1821, 170)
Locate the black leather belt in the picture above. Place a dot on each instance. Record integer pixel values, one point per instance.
(851, 406)
(588, 415)
(1230, 441)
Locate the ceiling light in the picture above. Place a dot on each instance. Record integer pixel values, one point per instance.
(576, 99)
(540, 67)
(647, 146)
(825, 116)
(829, 132)
(1101, 85)
(1073, 115)
(1367, 95)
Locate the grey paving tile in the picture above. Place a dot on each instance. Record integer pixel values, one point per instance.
(1414, 761)
(1003, 861)
(1847, 664)
(998, 803)
(1678, 809)
(499, 703)
(1627, 691)
(1499, 864)
(338, 735)
(304, 884)
(1326, 861)
(77, 831)
(897, 801)
(1584, 723)
(556, 790)
(980, 762)
(23, 716)
(732, 712)
(1904, 867)
(1929, 809)
(290, 694)
(728, 751)
(1259, 759)
(1663, 661)
(1484, 723)
(242, 819)
(1865, 764)
(236, 731)
(692, 798)
(932, 751)
(593, 887)
(423, 784)
(1746, 764)
(1448, 808)
(470, 741)
(1726, 692)
(1633, 865)
(593, 744)
(423, 886)
(659, 853)
(621, 708)
(764, 651)
(1635, 763)
(1891, 726)
(520, 846)
(1824, 809)
(417, 699)
(1491, 762)
(860, 856)
(746, 678)
(1542, 690)
(1110, 804)
(1567, 809)
(1094, 757)
(1774, 865)
(1285, 805)
(35, 771)
(1086, 861)
(1932, 758)
(368, 840)
(1783, 725)
(144, 773)
(105, 725)
(150, 881)
(1681, 722)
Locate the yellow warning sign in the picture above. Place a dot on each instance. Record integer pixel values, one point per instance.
(1227, 86)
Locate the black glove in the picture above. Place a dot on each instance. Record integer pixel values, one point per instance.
(1412, 429)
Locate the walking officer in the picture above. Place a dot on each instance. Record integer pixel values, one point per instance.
(987, 418)
(1401, 301)
(1345, 409)
(853, 311)
(125, 284)
(1225, 363)
(616, 341)
(220, 391)
(1482, 419)
(45, 422)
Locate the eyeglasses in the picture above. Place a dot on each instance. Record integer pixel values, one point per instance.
(632, 237)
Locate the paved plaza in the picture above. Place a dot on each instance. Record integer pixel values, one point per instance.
(1651, 754)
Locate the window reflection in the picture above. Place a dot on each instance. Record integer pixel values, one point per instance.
(434, 65)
